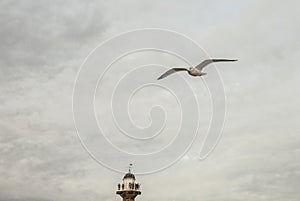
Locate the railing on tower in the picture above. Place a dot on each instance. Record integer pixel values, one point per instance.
(132, 186)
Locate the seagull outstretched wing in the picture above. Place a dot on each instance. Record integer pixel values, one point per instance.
(209, 61)
(171, 71)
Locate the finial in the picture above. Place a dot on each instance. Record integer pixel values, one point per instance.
(129, 168)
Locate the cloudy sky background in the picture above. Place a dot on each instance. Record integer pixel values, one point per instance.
(43, 44)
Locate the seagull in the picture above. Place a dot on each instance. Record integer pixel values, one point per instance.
(195, 71)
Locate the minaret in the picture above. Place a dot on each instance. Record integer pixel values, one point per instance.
(129, 188)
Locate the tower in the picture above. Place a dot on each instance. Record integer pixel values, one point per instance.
(129, 188)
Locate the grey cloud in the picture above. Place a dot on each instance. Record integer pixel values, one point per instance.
(39, 33)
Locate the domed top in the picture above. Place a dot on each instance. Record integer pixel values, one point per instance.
(129, 175)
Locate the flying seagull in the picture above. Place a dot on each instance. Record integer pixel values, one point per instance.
(194, 71)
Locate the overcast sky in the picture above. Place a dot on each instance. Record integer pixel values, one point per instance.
(44, 43)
